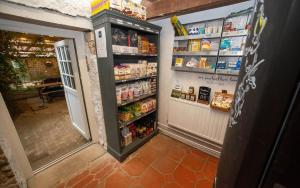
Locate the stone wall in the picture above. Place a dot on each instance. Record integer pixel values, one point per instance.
(69, 7)
(7, 177)
(95, 90)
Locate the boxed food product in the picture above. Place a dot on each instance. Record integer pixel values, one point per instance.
(127, 7)
(236, 23)
(152, 48)
(222, 101)
(139, 43)
(187, 96)
(233, 43)
(178, 62)
(119, 36)
(144, 107)
(132, 41)
(119, 40)
(127, 136)
(195, 29)
(99, 5)
(205, 45)
(191, 90)
(203, 63)
(221, 65)
(194, 45)
(182, 95)
(192, 97)
(192, 62)
(176, 92)
(133, 9)
(225, 43)
(214, 45)
(236, 43)
(144, 45)
(227, 26)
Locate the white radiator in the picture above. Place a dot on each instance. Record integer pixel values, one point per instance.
(198, 119)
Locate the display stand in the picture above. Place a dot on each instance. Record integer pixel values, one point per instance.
(107, 58)
(218, 57)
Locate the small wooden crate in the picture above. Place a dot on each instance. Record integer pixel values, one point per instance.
(221, 97)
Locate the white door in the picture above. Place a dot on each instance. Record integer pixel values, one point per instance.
(68, 67)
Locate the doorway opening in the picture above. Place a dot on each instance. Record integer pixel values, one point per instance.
(42, 94)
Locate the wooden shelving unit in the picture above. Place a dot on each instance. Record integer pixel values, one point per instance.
(104, 22)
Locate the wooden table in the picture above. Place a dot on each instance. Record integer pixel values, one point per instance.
(42, 86)
(39, 86)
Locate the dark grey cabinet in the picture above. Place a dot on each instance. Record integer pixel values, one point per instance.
(107, 58)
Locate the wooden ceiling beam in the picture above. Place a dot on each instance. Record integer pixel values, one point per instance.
(165, 8)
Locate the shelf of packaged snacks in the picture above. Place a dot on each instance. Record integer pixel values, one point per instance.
(136, 99)
(135, 54)
(194, 103)
(235, 33)
(192, 69)
(231, 53)
(134, 79)
(228, 72)
(202, 53)
(201, 36)
(124, 124)
(138, 142)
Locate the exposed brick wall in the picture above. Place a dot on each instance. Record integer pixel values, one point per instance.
(7, 177)
(39, 70)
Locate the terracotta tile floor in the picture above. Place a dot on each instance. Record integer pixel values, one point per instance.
(162, 162)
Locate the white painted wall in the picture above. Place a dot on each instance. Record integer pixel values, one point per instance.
(169, 77)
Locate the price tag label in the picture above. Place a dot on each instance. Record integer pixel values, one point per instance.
(120, 21)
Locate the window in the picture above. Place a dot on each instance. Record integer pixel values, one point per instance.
(66, 67)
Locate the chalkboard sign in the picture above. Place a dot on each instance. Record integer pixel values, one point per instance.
(204, 95)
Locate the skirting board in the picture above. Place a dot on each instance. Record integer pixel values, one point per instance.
(191, 140)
